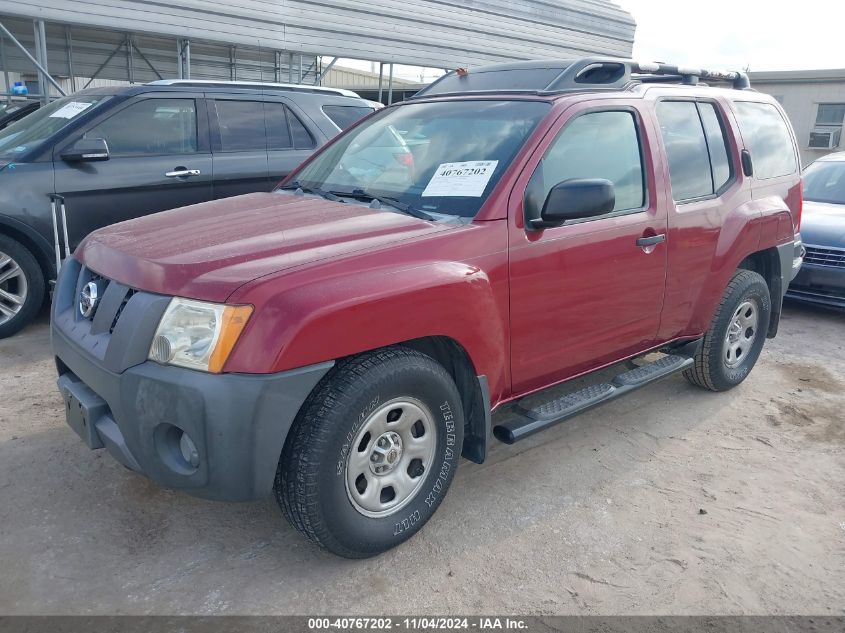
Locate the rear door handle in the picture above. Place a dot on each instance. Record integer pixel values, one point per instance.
(180, 172)
(652, 240)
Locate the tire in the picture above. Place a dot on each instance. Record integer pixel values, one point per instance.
(335, 478)
(22, 288)
(727, 354)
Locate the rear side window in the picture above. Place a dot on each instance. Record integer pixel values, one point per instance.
(241, 125)
(716, 144)
(344, 116)
(302, 138)
(599, 145)
(284, 129)
(278, 132)
(150, 127)
(695, 148)
(767, 137)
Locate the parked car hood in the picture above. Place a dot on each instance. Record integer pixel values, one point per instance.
(823, 224)
(206, 251)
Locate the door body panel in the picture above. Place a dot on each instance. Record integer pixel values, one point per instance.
(123, 187)
(585, 294)
(238, 144)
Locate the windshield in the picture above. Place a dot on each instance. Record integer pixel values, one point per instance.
(35, 128)
(443, 157)
(824, 181)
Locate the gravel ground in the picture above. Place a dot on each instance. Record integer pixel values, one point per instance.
(673, 500)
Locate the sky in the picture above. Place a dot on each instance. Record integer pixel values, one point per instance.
(735, 34)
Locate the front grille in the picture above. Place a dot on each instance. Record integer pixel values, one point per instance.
(129, 294)
(833, 257)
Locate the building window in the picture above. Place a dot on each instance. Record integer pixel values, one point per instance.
(828, 129)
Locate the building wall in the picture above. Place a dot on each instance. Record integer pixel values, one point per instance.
(434, 33)
(800, 93)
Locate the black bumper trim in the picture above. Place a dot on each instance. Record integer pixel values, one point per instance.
(238, 422)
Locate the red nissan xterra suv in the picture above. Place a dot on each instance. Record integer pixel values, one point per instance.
(345, 339)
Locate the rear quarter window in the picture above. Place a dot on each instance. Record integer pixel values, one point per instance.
(344, 116)
(767, 137)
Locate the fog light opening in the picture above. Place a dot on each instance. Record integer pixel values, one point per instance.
(176, 449)
(189, 450)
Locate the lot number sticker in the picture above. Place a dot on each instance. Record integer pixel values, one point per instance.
(466, 179)
(70, 110)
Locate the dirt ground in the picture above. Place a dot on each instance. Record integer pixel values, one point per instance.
(673, 500)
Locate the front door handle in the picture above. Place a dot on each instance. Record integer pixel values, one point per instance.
(651, 240)
(181, 172)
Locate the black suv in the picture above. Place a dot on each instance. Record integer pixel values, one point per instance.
(105, 155)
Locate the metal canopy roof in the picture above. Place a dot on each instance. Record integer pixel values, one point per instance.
(434, 33)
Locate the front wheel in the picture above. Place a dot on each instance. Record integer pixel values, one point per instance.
(733, 343)
(22, 288)
(372, 453)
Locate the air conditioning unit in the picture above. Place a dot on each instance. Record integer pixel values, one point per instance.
(825, 137)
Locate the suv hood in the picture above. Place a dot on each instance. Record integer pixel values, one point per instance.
(207, 251)
(823, 224)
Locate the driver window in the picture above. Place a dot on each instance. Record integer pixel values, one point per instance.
(598, 145)
(150, 127)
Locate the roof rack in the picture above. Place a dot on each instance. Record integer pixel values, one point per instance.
(214, 83)
(557, 76)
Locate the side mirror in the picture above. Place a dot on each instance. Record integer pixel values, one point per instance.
(575, 199)
(87, 150)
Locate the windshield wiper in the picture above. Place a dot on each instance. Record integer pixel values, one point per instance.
(295, 186)
(360, 194)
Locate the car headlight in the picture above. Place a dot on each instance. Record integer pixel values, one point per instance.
(198, 335)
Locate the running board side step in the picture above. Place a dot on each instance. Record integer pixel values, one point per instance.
(524, 422)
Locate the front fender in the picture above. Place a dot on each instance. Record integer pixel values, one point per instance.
(340, 315)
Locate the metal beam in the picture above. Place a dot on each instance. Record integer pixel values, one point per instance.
(69, 48)
(41, 56)
(14, 41)
(233, 63)
(130, 62)
(103, 65)
(380, 80)
(147, 61)
(5, 68)
(319, 79)
(390, 85)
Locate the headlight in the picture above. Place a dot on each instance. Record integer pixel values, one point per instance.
(198, 335)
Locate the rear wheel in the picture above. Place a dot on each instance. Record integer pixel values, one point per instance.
(21, 286)
(372, 453)
(736, 336)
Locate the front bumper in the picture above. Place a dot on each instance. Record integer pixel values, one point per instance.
(824, 285)
(236, 422)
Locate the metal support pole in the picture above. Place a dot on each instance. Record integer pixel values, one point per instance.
(180, 69)
(319, 79)
(390, 85)
(233, 63)
(290, 68)
(300, 69)
(130, 62)
(187, 59)
(14, 41)
(380, 80)
(41, 57)
(5, 68)
(69, 43)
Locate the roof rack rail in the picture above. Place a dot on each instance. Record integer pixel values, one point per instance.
(215, 83)
(556, 76)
